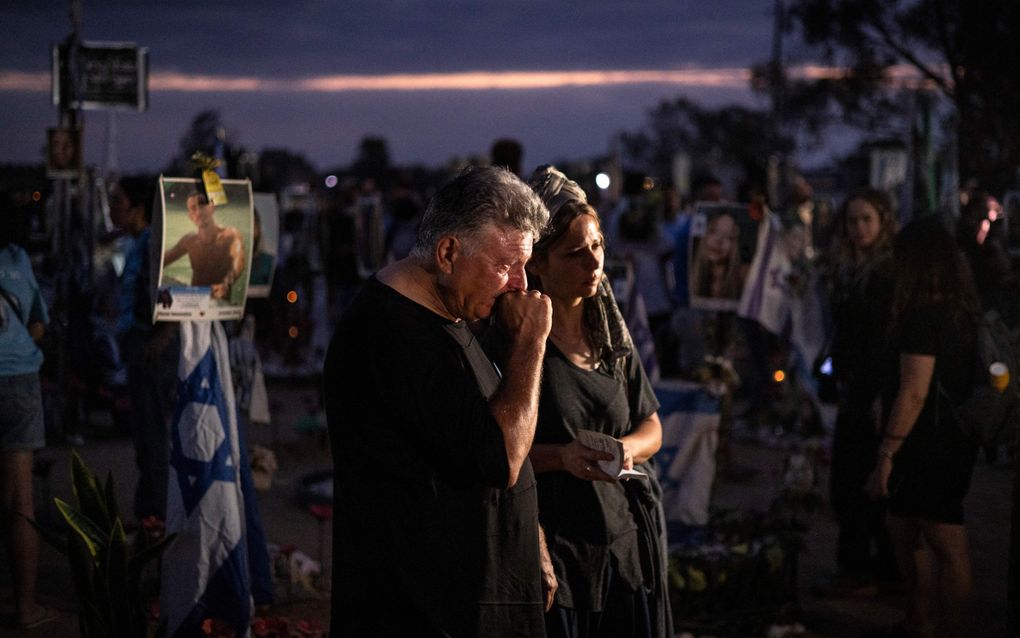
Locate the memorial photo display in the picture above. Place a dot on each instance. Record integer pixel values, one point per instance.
(265, 241)
(205, 251)
(723, 240)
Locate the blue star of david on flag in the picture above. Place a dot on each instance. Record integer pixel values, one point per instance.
(195, 476)
(205, 570)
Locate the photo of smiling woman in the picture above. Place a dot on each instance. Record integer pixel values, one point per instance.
(720, 238)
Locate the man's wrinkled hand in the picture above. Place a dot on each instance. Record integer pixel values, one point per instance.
(525, 315)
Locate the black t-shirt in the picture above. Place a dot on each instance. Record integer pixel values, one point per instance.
(588, 522)
(426, 537)
(931, 471)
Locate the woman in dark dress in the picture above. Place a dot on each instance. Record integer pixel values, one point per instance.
(925, 461)
(605, 536)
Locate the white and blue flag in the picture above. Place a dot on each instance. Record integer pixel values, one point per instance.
(690, 418)
(205, 569)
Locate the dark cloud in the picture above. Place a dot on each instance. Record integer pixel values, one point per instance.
(308, 37)
(301, 38)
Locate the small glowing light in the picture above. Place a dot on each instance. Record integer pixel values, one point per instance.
(36, 196)
(826, 367)
(293, 332)
(649, 184)
(602, 181)
(292, 296)
(982, 233)
(779, 376)
(331, 181)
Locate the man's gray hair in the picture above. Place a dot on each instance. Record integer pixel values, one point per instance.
(479, 196)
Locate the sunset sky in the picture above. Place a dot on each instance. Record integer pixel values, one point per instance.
(435, 78)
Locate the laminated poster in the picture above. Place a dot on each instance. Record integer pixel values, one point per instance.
(723, 240)
(265, 244)
(205, 251)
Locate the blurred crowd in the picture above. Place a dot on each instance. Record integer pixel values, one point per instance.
(898, 310)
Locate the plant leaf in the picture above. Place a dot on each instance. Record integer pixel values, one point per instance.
(87, 493)
(90, 621)
(120, 598)
(90, 533)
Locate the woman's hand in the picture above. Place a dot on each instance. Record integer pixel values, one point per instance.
(549, 582)
(878, 482)
(582, 461)
(628, 455)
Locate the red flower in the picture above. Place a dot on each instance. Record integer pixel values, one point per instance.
(321, 512)
(154, 527)
(217, 628)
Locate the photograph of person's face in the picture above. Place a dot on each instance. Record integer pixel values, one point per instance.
(205, 260)
(200, 210)
(720, 239)
(63, 150)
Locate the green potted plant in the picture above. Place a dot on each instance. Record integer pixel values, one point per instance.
(106, 569)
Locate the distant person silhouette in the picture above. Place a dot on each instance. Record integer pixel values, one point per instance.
(507, 153)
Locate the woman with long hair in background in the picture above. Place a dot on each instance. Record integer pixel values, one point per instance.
(861, 286)
(925, 461)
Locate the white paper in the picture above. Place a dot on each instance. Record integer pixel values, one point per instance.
(606, 443)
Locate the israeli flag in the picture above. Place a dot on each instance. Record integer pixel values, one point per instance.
(690, 418)
(769, 297)
(205, 570)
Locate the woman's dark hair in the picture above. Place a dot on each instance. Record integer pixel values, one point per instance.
(930, 270)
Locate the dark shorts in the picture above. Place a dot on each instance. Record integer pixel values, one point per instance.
(21, 419)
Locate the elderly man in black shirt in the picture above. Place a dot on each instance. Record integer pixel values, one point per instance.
(436, 529)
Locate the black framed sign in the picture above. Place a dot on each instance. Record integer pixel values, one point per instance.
(114, 75)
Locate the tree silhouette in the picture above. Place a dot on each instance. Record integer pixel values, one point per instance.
(733, 134)
(965, 50)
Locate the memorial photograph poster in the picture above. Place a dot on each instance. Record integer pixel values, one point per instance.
(723, 240)
(265, 244)
(63, 153)
(205, 251)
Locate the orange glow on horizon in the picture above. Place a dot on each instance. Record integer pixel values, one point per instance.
(461, 81)
(901, 75)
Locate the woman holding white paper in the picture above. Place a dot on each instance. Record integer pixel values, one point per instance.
(605, 536)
